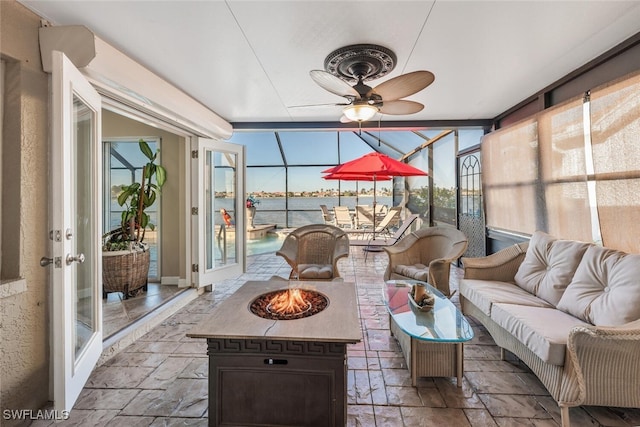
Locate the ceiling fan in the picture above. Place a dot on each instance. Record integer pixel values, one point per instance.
(363, 62)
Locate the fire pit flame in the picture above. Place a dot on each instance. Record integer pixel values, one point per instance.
(290, 301)
(289, 304)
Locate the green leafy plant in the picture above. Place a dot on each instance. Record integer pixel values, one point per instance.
(136, 198)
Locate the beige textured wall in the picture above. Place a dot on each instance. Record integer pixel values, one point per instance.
(172, 236)
(24, 335)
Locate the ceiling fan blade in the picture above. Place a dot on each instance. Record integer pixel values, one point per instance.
(333, 84)
(400, 107)
(343, 104)
(404, 85)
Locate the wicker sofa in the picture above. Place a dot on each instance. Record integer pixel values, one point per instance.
(569, 310)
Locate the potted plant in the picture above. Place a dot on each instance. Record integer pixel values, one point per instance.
(251, 203)
(125, 256)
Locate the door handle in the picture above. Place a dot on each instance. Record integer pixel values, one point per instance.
(57, 261)
(78, 258)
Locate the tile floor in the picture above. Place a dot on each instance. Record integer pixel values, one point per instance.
(161, 380)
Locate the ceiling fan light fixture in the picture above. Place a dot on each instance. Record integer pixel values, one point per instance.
(360, 112)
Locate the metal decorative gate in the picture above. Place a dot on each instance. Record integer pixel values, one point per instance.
(471, 210)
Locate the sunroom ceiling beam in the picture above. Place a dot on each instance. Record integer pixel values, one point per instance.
(426, 144)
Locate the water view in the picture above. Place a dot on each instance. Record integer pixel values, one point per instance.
(273, 210)
(302, 210)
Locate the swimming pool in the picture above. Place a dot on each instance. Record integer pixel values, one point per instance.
(270, 243)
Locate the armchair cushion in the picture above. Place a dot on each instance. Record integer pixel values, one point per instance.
(315, 271)
(415, 271)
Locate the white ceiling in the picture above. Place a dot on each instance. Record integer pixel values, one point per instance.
(249, 61)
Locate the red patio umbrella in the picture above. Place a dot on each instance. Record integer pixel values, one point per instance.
(375, 164)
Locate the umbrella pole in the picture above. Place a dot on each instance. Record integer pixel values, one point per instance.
(374, 207)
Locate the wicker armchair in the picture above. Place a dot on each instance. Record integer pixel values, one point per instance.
(313, 251)
(426, 255)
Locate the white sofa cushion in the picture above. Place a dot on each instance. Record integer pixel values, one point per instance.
(605, 290)
(543, 330)
(549, 265)
(484, 293)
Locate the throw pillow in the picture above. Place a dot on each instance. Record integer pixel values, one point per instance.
(605, 291)
(548, 269)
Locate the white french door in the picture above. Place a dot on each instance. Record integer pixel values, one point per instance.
(218, 241)
(76, 194)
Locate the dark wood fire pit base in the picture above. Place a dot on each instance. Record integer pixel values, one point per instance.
(276, 383)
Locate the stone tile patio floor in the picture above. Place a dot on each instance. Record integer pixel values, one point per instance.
(161, 379)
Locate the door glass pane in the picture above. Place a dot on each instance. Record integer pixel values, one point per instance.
(210, 211)
(220, 204)
(82, 237)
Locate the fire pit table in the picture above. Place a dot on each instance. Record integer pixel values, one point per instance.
(288, 369)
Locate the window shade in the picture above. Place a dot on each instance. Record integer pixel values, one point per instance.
(537, 174)
(615, 130)
(509, 175)
(563, 171)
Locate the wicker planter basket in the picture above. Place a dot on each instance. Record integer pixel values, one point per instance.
(125, 271)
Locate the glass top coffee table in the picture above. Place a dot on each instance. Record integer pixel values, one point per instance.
(431, 341)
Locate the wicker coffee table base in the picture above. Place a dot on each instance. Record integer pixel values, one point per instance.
(428, 358)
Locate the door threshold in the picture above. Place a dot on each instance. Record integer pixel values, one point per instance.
(131, 333)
